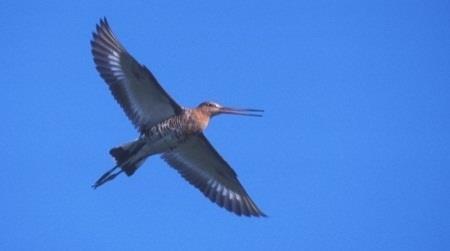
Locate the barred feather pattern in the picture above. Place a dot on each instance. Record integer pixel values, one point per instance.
(179, 125)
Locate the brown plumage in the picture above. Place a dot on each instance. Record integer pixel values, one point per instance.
(166, 128)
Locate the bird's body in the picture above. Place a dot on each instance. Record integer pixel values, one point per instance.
(163, 137)
(166, 128)
(188, 122)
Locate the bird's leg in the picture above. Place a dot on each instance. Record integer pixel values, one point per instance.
(108, 176)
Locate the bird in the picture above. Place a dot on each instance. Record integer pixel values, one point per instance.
(166, 128)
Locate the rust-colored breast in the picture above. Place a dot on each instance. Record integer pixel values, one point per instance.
(199, 119)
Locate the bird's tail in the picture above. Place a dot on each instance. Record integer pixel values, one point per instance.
(127, 159)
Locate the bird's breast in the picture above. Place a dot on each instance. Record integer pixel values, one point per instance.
(169, 133)
(199, 121)
(178, 127)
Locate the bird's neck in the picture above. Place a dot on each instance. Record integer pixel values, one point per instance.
(198, 120)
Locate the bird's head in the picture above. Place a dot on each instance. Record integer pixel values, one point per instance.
(211, 109)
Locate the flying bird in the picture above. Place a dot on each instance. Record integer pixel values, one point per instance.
(166, 128)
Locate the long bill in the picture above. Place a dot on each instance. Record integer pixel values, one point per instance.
(243, 112)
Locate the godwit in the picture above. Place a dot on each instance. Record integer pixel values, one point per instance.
(166, 128)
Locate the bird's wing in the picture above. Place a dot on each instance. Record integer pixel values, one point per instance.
(200, 164)
(133, 86)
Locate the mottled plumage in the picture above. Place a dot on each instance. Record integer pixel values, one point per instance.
(166, 128)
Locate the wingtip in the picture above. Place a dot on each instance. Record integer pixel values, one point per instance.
(104, 20)
(258, 214)
(102, 24)
(262, 215)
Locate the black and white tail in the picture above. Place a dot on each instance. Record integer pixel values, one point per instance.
(127, 160)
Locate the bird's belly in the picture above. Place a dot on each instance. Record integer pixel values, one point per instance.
(169, 133)
(164, 143)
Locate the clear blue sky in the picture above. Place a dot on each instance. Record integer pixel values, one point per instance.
(353, 152)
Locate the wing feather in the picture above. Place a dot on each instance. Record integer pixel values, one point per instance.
(200, 164)
(133, 86)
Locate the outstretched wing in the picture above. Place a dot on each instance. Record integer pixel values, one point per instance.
(133, 86)
(200, 164)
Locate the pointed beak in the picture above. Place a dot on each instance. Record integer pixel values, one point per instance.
(243, 112)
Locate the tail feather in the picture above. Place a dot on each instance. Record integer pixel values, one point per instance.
(124, 156)
(126, 160)
(119, 154)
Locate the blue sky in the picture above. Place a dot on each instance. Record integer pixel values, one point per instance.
(353, 152)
